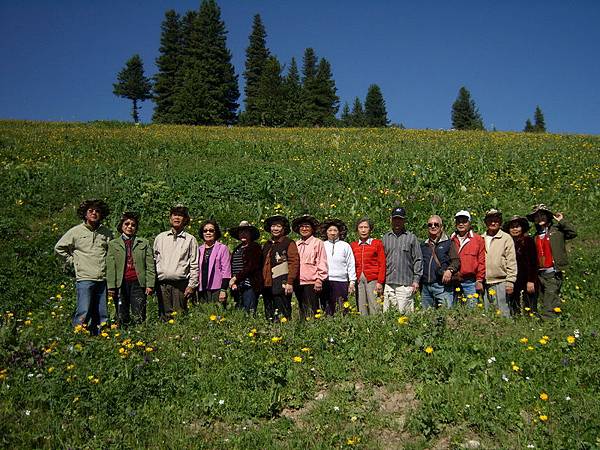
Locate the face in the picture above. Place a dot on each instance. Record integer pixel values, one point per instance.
(208, 232)
(177, 221)
(276, 229)
(245, 236)
(434, 227)
(333, 233)
(540, 218)
(515, 229)
(93, 216)
(364, 230)
(129, 227)
(493, 224)
(462, 225)
(305, 230)
(398, 223)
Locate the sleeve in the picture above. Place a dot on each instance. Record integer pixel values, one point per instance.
(150, 269)
(193, 280)
(322, 266)
(417, 261)
(567, 229)
(350, 264)
(480, 272)
(252, 262)
(454, 265)
(225, 266)
(511, 261)
(111, 269)
(381, 262)
(293, 259)
(65, 246)
(532, 263)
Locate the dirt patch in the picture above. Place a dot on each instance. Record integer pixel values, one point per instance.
(296, 415)
(396, 402)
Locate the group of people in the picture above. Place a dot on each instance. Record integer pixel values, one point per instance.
(504, 266)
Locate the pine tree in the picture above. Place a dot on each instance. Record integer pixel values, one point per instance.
(270, 98)
(208, 92)
(132, 84)
(465, 115)
(345, 117)
(528, 127)
(539, 122)
(357, 116)
(293, 96)
(309, 88)
(165, 81)
(326, 99)
(375, 112)
(256, 58)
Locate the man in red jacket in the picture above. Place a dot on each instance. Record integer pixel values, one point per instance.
(369, 257)
(471, 252)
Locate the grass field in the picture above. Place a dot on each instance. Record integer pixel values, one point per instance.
(217, 379)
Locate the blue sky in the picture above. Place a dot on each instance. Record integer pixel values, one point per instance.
(60, 58)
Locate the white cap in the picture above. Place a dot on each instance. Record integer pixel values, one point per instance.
(463, 213)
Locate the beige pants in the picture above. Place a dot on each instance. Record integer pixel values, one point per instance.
(400, 297)
(366, 296)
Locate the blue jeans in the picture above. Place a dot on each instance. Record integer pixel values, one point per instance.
(468, 288)
(246, 298)
(436, 294)
(91, 304)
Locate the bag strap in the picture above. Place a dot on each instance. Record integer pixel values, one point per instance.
(432, 247)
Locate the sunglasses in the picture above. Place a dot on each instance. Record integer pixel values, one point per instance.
(208, 230)
(433, 225)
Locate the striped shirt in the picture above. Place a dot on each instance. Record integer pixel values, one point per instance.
(403, 257)
(237, 264)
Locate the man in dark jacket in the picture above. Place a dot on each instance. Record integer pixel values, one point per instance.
(552, 255)
(440, 261)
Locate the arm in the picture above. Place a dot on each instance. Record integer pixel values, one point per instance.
(480, 275)
(350, 265)
(417, 255)
(511, 264)
(322, 266)
(193, 279)
(65, 246)
(225, 262)
(380, 262)
(150, 270)
(293, 260)
(566, 228)
(454, 265)
(111, 268)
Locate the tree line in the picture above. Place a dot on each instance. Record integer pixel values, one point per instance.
(196, 83)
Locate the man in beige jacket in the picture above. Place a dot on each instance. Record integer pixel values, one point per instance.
(500, 263)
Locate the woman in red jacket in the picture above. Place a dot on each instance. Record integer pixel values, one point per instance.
(369, 256)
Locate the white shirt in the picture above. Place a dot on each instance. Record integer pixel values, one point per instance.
(340, 260)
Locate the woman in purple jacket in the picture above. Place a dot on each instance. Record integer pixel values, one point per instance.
(214, 265)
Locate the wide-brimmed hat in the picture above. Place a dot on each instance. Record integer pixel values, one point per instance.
(305, 218)
(520, 219)
(245, 225)
(492, 213)
(340, 225)
(539, 208)
(277, 218)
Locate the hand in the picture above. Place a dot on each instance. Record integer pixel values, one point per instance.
(415, 287)
(288, 288)
(112, 293)
(232, 282)
(149, 291)
(222, 296)
(509, 288)
(447, 276)
(531, 288)
(558, 217)
(188, 292)
(351, 288)
(233, 287)
(379, 288)
(318, 286)
(478, 286)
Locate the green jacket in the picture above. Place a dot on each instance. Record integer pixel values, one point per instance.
(85, 249)
(142, 259)
(559, 233)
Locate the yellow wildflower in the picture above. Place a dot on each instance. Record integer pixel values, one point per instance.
(571, 340)
(523, 340)
(297, 359)
(213, 317)
(283, 320)
(543, 341)
(492, 292)
(402, 320)
(544, 396)
(429, 350)
(346, 305)
(171, 321)
(149, 349)
(306, 349)
(543, 417)
(557, 310)
(276, 339)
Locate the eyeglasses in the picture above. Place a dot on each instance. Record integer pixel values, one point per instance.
(305, 225)
(208, 230)
(130, 224)
(433, 225)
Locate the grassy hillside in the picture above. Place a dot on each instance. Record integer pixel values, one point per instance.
(218, 379)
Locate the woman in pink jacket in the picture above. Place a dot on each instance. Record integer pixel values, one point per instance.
(214, 265)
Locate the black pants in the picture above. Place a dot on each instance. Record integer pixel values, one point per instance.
(131, 304)
(308, 300)
(277, 305)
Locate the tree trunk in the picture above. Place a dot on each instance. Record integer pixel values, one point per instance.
(136, 116)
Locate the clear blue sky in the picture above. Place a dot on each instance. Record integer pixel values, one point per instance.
(60, 58)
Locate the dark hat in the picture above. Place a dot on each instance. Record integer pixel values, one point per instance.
(305, 218)
(492, 213)
(180, 210)
(539, 208)
(399, 211)
(277, 218)
(341, 226)
(520, 219)
(245, 225)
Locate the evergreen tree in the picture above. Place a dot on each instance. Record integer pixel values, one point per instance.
(309, 88)
(326, 100)
(357, 116)
(132, 84)
(539, 122)
(165, 81)
(346, 116)
(256, 58)
(270, 98)
(465, 115)
(375, 112)
(528, 127)
(309, 66)
(293, 96)
(208, 92)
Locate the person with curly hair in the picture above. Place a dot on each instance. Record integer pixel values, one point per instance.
(84, 248)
